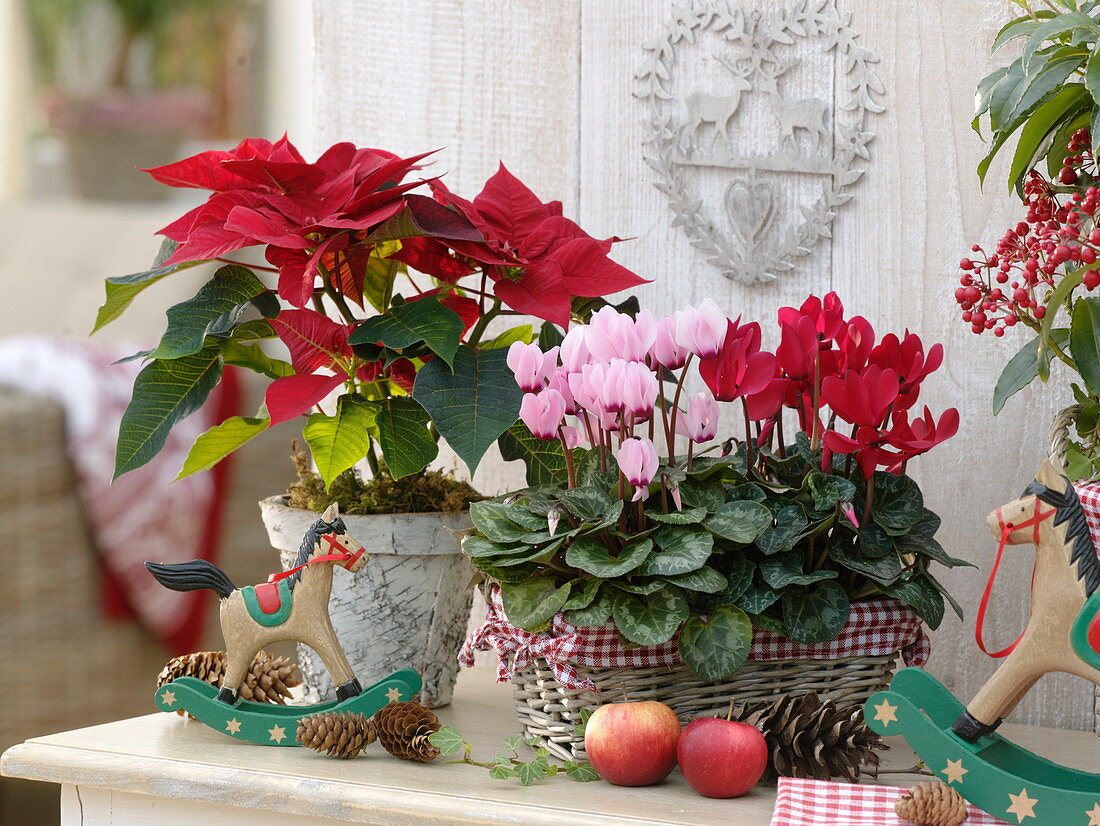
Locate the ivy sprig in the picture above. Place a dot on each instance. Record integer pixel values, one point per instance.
(509, 764)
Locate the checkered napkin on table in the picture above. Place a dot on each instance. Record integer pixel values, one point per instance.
(817, 803)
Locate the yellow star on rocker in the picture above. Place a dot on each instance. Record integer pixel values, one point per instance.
(168, 697)
(955, 771)
(1022, 805)
(233, 726)
(1094, 815)
(278, 733)
(393, 694)
(886, 713)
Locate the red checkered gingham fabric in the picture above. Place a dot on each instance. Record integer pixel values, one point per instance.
(1089, 494)
(817, 803)
(875, 628)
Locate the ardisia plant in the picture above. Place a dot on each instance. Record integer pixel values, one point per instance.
(714, 538)
(382, 290)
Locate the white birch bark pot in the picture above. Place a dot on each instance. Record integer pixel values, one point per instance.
(407, 608)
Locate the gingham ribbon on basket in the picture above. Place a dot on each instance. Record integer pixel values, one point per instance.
(820, 803)
(875, 628)
(1089, 494)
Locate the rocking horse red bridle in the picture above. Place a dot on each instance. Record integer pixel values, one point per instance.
(340, 555)
(1007, 529)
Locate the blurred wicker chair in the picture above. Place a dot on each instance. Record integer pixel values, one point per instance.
(67, 666)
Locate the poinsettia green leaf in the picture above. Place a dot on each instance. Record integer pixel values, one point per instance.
(221, 440)
(715, 649)
(380, 274)
(650, 619)
(213, 310)
(680, 551)
(740, 522)
(252, 357)
(165, 391)
(592, 556)
(785, 569)
(337, 442)
(472, 405)
(529, 604)
(544, 459)
(123, 289)
(426, 320)
(706, 580)
(521, 332)
(898, 503)
(816, 614)
(790, 522)
(407, 446)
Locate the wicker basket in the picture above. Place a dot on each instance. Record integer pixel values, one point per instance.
(550, 712)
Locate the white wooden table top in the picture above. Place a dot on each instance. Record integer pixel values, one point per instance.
(171, 757)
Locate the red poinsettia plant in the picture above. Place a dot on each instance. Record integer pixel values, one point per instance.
(379, 281)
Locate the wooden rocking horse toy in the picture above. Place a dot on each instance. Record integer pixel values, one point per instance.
(291, 605)
(960, 743)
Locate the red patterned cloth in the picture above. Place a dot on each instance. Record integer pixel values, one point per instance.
(143, 515)
(1089, 494)
(875, 628)
(818, 803)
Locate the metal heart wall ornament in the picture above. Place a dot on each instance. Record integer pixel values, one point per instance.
(793, 156)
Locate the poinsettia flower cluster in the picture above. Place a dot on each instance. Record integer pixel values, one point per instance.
(1059, 235)
(320, 221)
(622, 378)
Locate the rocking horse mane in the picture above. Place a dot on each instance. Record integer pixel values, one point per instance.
(310, 541)
(1068, 509)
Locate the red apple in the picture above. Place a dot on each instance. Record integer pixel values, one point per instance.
(721, 758)
(632, 744)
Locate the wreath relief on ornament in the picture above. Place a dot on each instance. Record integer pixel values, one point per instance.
(756, 127)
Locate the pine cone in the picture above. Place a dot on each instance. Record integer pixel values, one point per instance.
(811, 739)
(932, 804)
(340, 734)
(268, 680)
(404, 728)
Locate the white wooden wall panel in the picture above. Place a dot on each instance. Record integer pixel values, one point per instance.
(550, 89)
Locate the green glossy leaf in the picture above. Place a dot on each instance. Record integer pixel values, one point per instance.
(338, 442)
(252, 357)
(426, 320)
(592, 556)
(922, 596)
(472, 406)
(706, 580)
(1084, 341)
(790, 522)
(1057, 298)
(758, 598)
(448, 740)
(1035, 136)
(1023, 368)
(493, 520)
(380, 274)
(165, 391)
(544, 460)
(691, 516)
(213, 310)
(1022, 26)
(715, 649)
(407, 446)
(874, 541)
(785, 569)
(123, 289)
(1051, 69)
(529, 604)
(681, 550)
(1052, 28)
(898, 504)
(884, 570)
(740, 522)
(221, 440)
(650, 619)
(817, 614)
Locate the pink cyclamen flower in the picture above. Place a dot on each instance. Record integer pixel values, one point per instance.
(701, 329)
(666, 350)
(543, 413)
(574, 350)
(639, 390)
(699, 422)
(638, 462)
(615, 335)
(531, 366)
(587, 388)
(559, 380)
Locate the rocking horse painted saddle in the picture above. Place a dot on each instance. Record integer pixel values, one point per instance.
(291, 605)
(960, 743)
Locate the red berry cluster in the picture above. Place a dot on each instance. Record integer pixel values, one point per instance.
(1010, 285)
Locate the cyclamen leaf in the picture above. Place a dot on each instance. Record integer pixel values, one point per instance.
(338, 442)
(590, 555)
(740, 522)
(706, 580)
(757, 599)
(790, 522)
(213, 310)
(219, 441)
(596, 614)
(681, 550)
(785, 569)
(715, 649)
(491, 518)
(426, 320)
(407, 446)
(165, 391)
(691, 516)
(529, 604)
(898, 502)
(651, 619)
(815, 614)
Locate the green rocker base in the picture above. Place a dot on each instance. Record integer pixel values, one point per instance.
(994, 774)
(269, 724)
